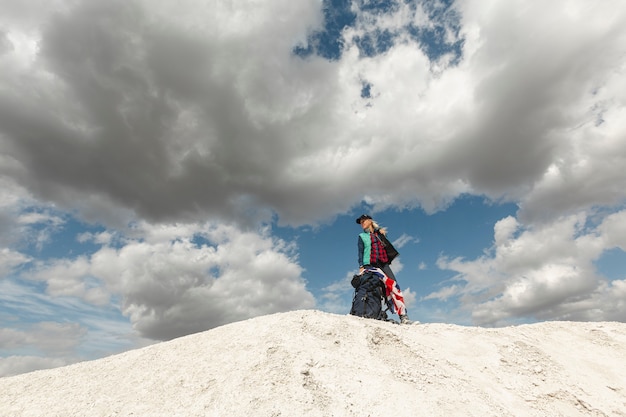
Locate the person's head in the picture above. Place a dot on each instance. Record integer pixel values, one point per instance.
(365, 221)
(369, 225)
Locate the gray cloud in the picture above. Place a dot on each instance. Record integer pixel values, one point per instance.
(156, 113)
(156, 119)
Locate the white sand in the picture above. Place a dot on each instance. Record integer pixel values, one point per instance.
(309, 363)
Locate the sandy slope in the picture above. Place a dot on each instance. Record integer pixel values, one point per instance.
(309, 363)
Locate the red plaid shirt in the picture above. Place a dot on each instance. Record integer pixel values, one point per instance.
(377, 254)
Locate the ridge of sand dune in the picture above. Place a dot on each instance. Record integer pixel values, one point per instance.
(310, 363)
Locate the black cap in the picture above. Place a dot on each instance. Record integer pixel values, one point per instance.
(363, 217)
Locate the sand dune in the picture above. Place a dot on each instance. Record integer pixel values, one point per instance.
(309, 363)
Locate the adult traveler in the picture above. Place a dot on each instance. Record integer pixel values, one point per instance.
(372, 254)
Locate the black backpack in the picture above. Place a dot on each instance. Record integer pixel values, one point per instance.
(369, 293)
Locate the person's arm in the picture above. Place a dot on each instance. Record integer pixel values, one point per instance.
(361, 247)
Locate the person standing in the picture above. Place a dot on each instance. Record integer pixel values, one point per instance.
(372, 254)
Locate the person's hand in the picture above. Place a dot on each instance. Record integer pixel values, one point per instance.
(356, 280)
(361, 269)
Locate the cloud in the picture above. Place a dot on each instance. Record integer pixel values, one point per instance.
(613, 230)
(28, 309)
(337, 297)
(5, 43)
(170, 285)
(57, 342)
(13, 199)
(34, 218)
(553, 103)
(403, 240)
(9, 260)
(544, 272)
(50, 337)
(180, 114)
(167, 113)
(15, 365)
(104, 238)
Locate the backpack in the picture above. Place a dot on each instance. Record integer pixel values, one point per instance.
(369, 293)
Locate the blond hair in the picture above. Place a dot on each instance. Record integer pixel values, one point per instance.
(382, 230)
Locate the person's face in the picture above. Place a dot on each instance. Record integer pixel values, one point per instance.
(366, 223)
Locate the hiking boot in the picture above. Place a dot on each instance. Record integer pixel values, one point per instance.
(404, 319)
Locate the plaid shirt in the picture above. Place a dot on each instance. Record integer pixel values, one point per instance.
(377, 254)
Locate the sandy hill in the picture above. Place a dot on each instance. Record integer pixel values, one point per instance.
(309, 363)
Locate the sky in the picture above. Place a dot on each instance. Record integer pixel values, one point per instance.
(170, 167)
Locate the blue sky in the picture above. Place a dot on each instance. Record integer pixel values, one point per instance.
(166, 168)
